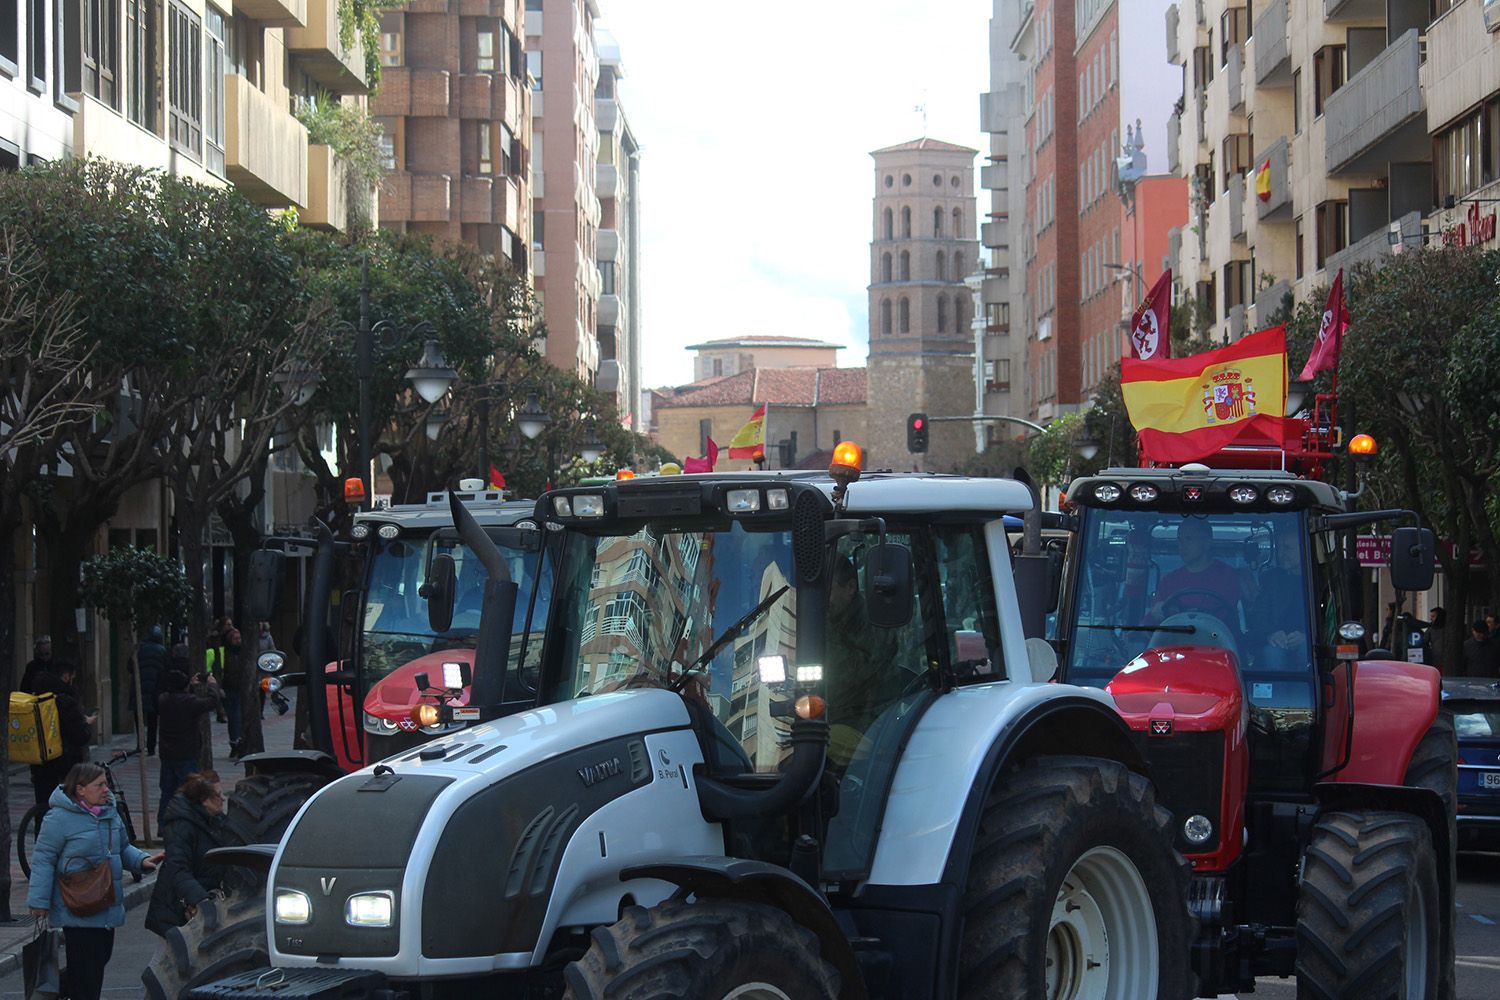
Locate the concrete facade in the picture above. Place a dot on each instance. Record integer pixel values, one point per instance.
(921, 353)
(456, 108)
(619, 186)
(736, 354)
(564, 66)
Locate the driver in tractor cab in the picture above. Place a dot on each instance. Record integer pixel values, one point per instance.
(1202, 583)
(1278, 614)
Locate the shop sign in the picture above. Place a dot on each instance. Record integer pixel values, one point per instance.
(1474, 230)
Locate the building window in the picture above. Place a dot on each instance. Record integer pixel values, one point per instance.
(36, 46)
(960, 313)
(1234, 28)
(958, 266)
(1329, 69)
(485, 147)
(890, 224)
(390, 39)
(10, 39)
(1203, 66)
(905, 265)
(1297, 241)
(958, 223)
(1238, 154)
(885, 267)
(388, 150)
(140, 62)
(510, 151)
(906, 223)
(885, 317)
(486, 50)
(905, 311)
(1296, 102)
(101, 54)
(216, 25)
(606, 277)
(534, 67)
(937, 222)
(1466, 155)
(942, 266)
(1333, 229)
(1236, 284)
(942, 304)
(185, 82)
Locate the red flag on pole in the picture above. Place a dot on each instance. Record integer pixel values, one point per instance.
(702, 464)
(1325, 352)
(1150, 339)
(497, 481)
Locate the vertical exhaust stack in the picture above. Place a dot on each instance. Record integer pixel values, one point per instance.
(1031, 567)
(496, 614)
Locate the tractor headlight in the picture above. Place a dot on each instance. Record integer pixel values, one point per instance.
(1144, 493)
(1107, 492)
(1198, 829)
(1281, 495)
(588, 505)
(369, 909)
(293, 907)
(562, 506)
(777, 500)
(742, 501)
(360, 531)
(1243, 494)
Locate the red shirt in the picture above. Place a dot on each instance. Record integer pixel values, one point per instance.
(1217, 577)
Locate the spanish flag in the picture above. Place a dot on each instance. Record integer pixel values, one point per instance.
(750, 438)
(1263, 181)
(1186, 409)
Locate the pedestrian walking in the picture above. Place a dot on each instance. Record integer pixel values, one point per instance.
(193, 826)
(40, 660)
(55, 677)
(152, 659)
(213, 660)
(82, 838)
(1436, 622)
(232, 677)
(1479, 651)
(180, 711)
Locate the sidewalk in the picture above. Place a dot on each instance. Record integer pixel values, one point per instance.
(278, 730)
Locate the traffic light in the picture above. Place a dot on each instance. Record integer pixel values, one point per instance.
(916, 433)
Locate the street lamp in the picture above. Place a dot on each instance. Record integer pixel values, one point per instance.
(1296, 395)
(436, 418)
(532, 419)
(1087, 445)
(591, 450)
(432, 376)
(297, 381)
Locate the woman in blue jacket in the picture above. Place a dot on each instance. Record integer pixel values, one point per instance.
(80, 830)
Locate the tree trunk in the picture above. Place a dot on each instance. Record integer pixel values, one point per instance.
(190, 524)
(252, 739)
(10, 525)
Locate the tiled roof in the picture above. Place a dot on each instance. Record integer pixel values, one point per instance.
(926, 144)
(761, 341)
(777, 386)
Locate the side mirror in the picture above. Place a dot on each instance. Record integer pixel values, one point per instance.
(442, 581)
(265, 581)
(888, 585)
(1412, 553)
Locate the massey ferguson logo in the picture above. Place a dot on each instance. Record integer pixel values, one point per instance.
(1161, 727)
(594, 773)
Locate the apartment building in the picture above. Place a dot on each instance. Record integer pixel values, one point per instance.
(1317, 135)
(618, 174)
(564, 66)
(921, 354)
(456, 109)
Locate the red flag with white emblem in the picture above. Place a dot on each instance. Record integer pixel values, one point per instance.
(1149, 336)
(1325, 352)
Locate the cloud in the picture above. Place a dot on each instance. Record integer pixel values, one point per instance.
(756, 125)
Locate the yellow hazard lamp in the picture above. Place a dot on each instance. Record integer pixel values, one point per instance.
(810, 707)
(1362, 446)
(625, 474)
(354, 490)
(848, 462)
(426, 715)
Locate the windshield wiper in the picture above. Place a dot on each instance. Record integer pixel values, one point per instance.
(729, 635)
(1180, 629)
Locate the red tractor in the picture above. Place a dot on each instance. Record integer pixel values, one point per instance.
(1312, 779)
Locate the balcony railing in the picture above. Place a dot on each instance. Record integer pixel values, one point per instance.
(274, 13)
(1235, 192)
(1236, 322)
(265, 148)
(1235, 73)
(327, 190)
(323, 56)
(1268, 303)
(1174, 138)
(1376, 118)
(1273, 51)
(1173, 17)
(1278, 206)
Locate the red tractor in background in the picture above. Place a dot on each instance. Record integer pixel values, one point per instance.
(1312, 779)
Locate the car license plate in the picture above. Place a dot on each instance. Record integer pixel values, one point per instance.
(1489, 779)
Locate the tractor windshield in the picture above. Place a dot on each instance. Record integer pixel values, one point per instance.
(395, 630)
(1149, 578)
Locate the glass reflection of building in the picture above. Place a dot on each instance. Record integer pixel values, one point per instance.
(749, 716)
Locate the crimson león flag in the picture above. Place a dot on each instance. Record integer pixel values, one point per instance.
(1150, 339)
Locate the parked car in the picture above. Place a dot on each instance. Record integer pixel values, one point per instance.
(1475, 704)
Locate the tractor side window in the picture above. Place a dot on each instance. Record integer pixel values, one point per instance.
(973, 634)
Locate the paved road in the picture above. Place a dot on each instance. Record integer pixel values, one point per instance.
(1478, 942)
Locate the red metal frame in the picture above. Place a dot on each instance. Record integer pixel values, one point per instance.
(1395, 702)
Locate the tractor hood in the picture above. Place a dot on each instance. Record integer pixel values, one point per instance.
(377, 864)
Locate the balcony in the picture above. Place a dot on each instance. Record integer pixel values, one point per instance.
(995, 235)
(609, 310)
(327, 190)
(321, 54)
(1234, 70)
(1278, 206)
(1173, 17)
(476, 96)
(1269, 302)
(1354, 10)
(1236, 322)
(1235, 192)
(606, 114)
(1461, 68)
(995, 176)
(1174, 248)
(1373, 246)
(274, 13)
(415, 197)
(477, 199)
(265, 148)
(1273, 50)
(1174, 138)
(606, 180)
(1376, 118)
(608, 377)
(608, 242)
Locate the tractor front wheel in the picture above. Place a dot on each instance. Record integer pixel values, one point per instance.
(711, 950)
(1367, 911)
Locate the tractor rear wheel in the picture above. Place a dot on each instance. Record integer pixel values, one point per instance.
(1074, 889)
(1367, 910)
(1434, 765)
(230, 936)
(712, 949)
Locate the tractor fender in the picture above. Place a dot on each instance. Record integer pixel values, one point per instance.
(1395, 703)
(721, 877)
(1423, 803)
(292, 762)
(256, 857)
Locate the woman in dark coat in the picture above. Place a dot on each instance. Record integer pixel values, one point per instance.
(194, 826)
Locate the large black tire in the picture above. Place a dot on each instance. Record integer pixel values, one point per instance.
(228, 937)
(223, 938)
(1055, 836)
(1434, 765)
(705, 950)
(1367, 910)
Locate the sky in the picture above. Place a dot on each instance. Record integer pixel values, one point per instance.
(756, 123)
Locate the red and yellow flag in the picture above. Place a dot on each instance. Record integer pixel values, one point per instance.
(1263, 181)
(1186, 409)
(750, 438)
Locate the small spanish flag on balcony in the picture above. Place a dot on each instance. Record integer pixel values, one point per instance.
(751, 438)
(1186, 409)
(1263, 181)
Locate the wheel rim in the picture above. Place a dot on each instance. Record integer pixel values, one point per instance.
(1101, 944)
(1416, 945)
(756, 991)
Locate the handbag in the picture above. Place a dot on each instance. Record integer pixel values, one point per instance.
(92, 890)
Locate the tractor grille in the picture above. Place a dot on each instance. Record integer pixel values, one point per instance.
(1188, 771)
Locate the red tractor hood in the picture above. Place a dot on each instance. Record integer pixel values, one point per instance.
(1195, 688)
